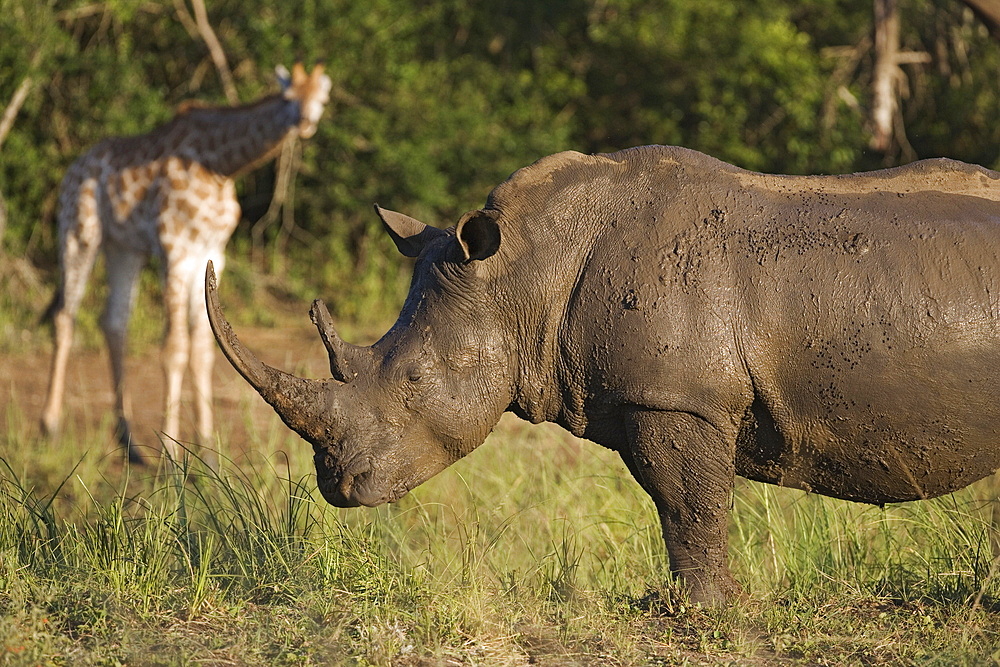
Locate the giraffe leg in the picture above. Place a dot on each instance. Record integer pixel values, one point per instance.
(203, 355)
(123, 268)
(217, 223)
(80, 237)
(176, 350)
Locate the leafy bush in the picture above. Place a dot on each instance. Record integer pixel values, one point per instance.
(436, 102)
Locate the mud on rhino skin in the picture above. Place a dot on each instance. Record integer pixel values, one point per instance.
(837, 334)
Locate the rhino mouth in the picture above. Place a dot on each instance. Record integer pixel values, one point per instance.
(356, 484)
(334, 492)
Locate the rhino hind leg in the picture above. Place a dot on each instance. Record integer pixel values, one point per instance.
(686, 465)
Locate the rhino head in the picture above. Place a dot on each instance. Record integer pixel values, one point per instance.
(426, 394)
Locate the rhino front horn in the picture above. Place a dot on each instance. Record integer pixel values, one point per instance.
(300, 402)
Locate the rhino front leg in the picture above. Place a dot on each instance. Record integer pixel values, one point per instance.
(686, 464)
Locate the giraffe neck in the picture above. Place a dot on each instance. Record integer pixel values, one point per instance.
(232, 141)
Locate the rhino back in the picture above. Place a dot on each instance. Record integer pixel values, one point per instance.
(843, 328)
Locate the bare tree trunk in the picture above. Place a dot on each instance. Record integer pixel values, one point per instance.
(884, 83)
(889, 82)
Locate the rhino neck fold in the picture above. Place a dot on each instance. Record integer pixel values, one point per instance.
(544, 385)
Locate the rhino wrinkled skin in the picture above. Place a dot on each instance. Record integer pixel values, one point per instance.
(837, 334)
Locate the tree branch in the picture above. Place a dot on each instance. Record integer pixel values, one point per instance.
(20, 95)
(204, 28)
(6, 123)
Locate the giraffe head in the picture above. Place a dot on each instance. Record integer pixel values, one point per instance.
(311, 91)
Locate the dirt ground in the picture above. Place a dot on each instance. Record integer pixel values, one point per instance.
(89, 400)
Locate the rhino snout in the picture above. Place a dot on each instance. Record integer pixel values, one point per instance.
(350, 485)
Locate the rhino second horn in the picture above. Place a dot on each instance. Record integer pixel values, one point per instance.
(301, 403)
(344, 357)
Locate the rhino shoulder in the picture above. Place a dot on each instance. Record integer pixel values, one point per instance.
(540, 180)
(543, 170)
(571, 167)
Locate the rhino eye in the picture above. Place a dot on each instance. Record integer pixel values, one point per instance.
(414, 376)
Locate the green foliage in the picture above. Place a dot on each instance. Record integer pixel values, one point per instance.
(952, 100)
(436, 102)
(741, 81)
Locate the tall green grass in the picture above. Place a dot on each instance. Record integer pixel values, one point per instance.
(537, 547)
(939, 549)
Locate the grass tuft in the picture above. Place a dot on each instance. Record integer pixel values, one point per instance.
(536, 548)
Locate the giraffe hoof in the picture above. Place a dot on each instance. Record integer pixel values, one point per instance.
(49, 429)
(134, 457)
(124, 436)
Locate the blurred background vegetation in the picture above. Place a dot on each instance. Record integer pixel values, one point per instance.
(435, 102)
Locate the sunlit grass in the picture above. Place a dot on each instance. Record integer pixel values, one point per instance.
(939, 549)
(537, 546)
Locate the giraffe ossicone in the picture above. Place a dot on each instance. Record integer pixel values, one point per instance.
(168, 193)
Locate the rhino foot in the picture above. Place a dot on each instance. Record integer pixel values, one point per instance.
(711, 591)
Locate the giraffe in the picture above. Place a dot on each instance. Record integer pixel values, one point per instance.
(169, 193)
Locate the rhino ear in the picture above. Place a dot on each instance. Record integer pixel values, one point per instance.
(409, 235)
(479, 234)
